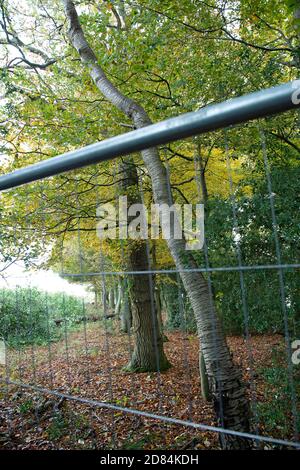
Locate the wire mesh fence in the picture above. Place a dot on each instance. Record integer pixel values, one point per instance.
(118, 365)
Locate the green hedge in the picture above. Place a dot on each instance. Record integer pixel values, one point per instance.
(28, 315)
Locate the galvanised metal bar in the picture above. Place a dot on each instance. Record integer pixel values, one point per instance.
(237, 110)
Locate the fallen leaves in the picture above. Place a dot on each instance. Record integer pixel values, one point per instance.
(47, 422)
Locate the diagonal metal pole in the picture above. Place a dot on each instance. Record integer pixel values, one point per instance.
(234, 111)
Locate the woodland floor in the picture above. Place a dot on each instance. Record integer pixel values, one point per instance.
(93, 369)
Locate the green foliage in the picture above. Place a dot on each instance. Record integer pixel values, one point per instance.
(177, 307)
(28, 315)
(260, 289)
(26, 406)
(71, 426)
(171, 59)
(132, 444)
(252, 298)
(273, 411)
(57, 428)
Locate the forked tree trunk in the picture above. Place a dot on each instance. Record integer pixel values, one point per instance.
(225, 379)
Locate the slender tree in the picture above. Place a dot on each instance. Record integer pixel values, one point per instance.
(225, 379)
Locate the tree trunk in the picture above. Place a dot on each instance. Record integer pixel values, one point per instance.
(118, 296)
(159, 312)
(111, 298)
(230, 401)
(225, 379)
(205, 391)
(157, 297)
(200, 169)
(148, 354)
(96, 299)
(126, 315)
